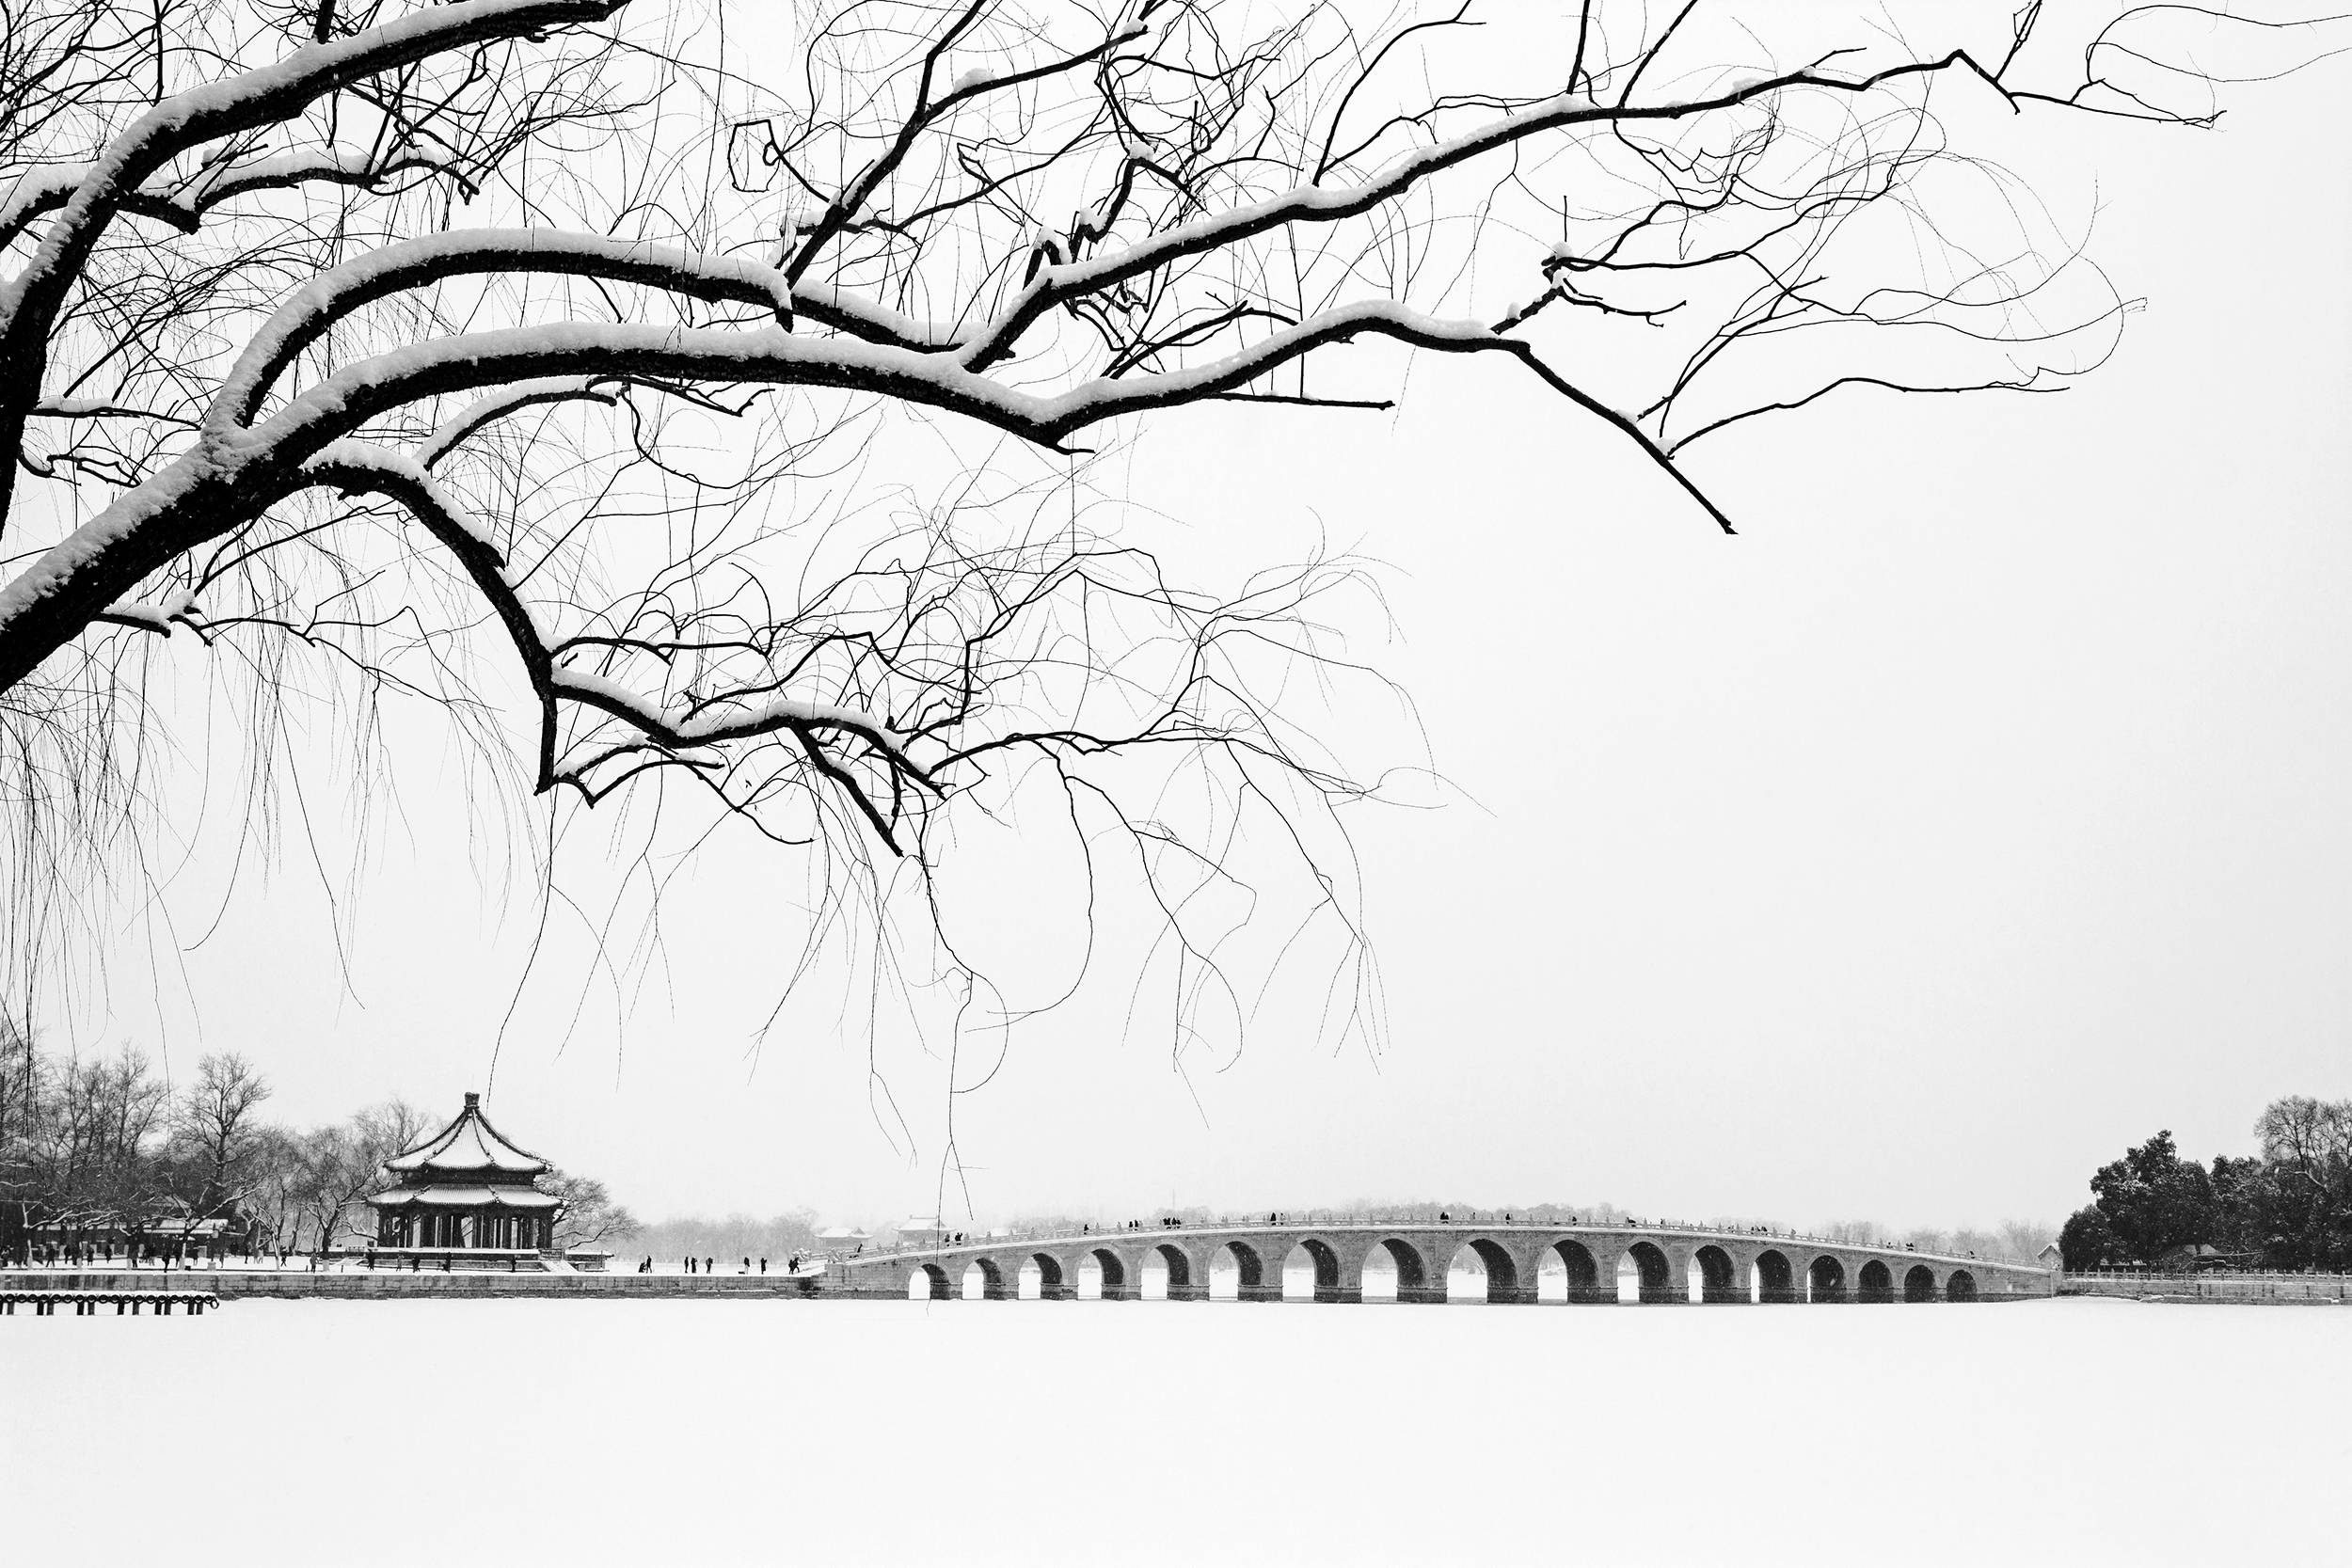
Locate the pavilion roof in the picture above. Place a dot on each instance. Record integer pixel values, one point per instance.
(466, 1197)
(469, 1147)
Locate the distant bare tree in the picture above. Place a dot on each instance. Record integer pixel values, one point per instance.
(2024, 1238)
(342, 1165)
(390, 1129)
(331, 1175)
(2308, 1143)
(273, 1203)
(20, 1097)
(20, 1107)
(214, 1122)
(2311, 1136)
(587, 1213)
(96, 1147)
(513, 349)
(776, 1237)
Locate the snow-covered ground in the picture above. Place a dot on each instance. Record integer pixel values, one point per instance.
(538, 1432)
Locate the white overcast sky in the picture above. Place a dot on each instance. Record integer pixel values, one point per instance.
(1979, 810)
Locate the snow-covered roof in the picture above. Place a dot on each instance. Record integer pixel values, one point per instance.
(466, 1197)
(467, 1146)
(842, 1233)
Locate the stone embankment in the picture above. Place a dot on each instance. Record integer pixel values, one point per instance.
(2285, 1288)
(386, 1285)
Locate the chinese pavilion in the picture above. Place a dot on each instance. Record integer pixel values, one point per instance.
(467, 1187)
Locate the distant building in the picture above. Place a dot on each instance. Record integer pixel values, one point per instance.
(841, 1238)
(178, 1234)
(921, 1232)
(467, 1189)
(2202, 1257)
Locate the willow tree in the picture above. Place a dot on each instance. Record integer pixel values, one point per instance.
(550, 361)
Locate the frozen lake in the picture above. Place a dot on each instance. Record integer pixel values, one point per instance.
(2076, 1431)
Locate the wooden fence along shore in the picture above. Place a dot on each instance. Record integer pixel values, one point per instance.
(44, 1302)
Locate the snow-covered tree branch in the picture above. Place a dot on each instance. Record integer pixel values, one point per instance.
(334, 337)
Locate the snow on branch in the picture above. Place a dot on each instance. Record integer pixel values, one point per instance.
(359, 466)
(253, 320)
(420, 264)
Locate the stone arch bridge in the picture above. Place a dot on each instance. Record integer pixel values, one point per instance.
(1671, 1263)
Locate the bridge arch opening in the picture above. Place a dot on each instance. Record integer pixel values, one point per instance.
(1918, 1283)
(1168, 1275)
(983, 1280)
(1482, 1269)
(1465, 1275)
(1876, 1282)
(1827, 1279)
(1239, 1272)
(1311, 1272)
(1565, 1271)
(1775, 1276)
(1645, 1275)
(1394, 1270)
(1042, 1279)
(1103, 1277)
(1714, 1279)
(929, 1282)
(1961, 1286)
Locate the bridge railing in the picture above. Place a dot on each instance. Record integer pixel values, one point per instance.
(2207, 1273)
